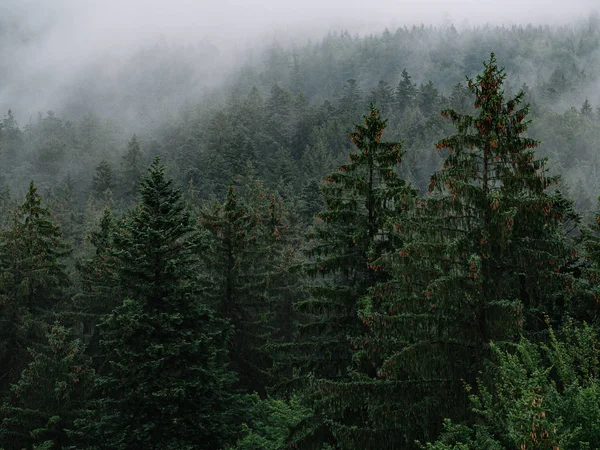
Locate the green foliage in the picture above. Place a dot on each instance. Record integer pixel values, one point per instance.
(349, 235)
(165, 348)
(468, 271)
(33, 278)
(541, 397)
(103, 182)
(269, 423)
(49, 396)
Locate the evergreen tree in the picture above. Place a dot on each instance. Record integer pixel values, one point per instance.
(247, 280)
(586, 109)
(49, 396)
(166, 385)
(543, 397)
(98, 294)
(33, 279)
(103, 182)
(383, 97)
(406, 92)
(132, 169)
(360, 198)
(428, 98)
(471, 270)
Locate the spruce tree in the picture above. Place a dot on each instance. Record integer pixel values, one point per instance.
(247, 277)
(166, 385)
(98, 294)
(132, 169)
(33, 279)
(49, 396)
(349, 235)
(406, 92)
(482, 262)
(103, 182)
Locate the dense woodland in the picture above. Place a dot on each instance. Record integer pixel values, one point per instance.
(378, 242)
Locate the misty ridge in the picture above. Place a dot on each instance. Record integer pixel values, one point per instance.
(328, 225)
(147, 85)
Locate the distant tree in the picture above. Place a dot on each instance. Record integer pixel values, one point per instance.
(349, 104)
(103, 182)
(133, 169)
(406, 92)
(460, 99)
(383, 97)
(586, 109)
(428, 98)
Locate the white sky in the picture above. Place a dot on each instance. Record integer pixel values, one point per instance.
(72, 33)
(118, 22)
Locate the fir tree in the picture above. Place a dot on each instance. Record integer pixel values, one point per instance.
(482, 261)
(586, 109)
(103, 182)
(166, 385)
(98, 293)
(247, 281)
(350, 234)
(406, 92)
(49, 396)
(33, 279)
(132, 169)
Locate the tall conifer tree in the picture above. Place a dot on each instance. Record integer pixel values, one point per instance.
(166, 385)
(482, 261)
(349, 235)
(33, 278)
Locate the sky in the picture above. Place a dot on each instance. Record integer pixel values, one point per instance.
(69, 35)
(114, 24)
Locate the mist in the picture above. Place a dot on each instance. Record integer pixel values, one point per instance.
(66, 54)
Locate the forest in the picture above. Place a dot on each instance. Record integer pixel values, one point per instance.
(379, 241)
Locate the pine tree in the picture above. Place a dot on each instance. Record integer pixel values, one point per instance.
(49, 396)
(482, 262)
(166, 385)
(360, 198)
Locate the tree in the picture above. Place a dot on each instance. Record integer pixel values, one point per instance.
(469, 271)
(542, 397)
(406, 92)
(98, 294)
(586, 109)
(132, 169)
(360, 198)
(428, 98)
(165, 348)
(49, 396)
(246, 267)
(383, 97)
(33, 279)
(103, 182)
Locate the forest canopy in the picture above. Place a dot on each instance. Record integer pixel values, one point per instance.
(378, 241)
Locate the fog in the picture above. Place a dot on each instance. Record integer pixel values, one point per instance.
(52, 50)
